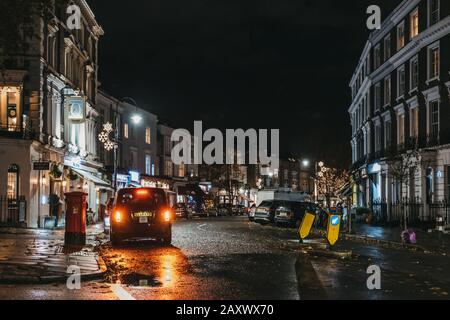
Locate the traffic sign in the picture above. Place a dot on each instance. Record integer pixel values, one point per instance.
(334, 228)
(306, 226)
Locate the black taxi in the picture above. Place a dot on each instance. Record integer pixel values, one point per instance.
(142, 213)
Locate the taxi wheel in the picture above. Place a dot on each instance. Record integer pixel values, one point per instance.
(115, 240)
(168, 237)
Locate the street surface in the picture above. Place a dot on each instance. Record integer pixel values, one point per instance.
(231, 258)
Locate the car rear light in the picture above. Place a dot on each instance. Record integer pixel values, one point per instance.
(167, 216)
(118, 216)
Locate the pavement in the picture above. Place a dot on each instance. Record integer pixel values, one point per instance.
(38, 256)
(432, 242)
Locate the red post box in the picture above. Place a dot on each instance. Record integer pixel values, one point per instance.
(75, 219)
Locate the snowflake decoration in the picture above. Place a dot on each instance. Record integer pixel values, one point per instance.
(104, 137)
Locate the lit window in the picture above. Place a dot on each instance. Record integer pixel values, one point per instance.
(414, 23)
(401, 129)
(181, 171)
(126, 132)
(434, 62)
(148, 136)
(400, 36)
(414, 123)
(13, 182)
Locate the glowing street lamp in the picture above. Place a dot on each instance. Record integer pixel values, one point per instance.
(136, 119)
(306, 163)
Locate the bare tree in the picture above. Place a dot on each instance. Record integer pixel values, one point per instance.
(330, 181)
(401, 169)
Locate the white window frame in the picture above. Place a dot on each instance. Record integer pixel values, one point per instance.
(387, 50)
(429, 12)
(148, 164)
(430, 50)
(411, 64)
(377, 97)
(387, 91)
(377, 56)
(430, 116)
(401, 25)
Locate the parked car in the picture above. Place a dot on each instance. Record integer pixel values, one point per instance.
(291, 213)
(182, 211)
(225, 209)
(265, 213)
(238, 210)
(142, 213)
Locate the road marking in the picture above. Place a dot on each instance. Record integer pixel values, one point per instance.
(121, 293)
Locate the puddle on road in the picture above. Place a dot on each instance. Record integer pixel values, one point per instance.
(138, 280)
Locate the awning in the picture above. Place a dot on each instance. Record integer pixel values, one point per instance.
(90, 177)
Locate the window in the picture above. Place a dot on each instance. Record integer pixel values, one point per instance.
(401, 82)
(377, 56)
(12, 116)
(387, 134)
(168, 170)
(414, 125)
(148, 165)
(377, 138)
(126, 132)
(400, 36)
(148, 135)
(434, 118)
(414, 73)
(401, 129)
(181, 171)
(13, 182)
(387, 90)
(414, 23)
(133, 159)
(377, 96)
(434, 62)
(387, 47)
(167, 145)
(434, 12)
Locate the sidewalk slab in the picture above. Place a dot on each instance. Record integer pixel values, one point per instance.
(39, 256)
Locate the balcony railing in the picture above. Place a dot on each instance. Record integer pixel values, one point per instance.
(17, 132)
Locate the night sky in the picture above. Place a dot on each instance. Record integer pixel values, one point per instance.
(273, 64)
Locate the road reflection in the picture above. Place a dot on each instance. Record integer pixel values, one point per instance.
(146, 264)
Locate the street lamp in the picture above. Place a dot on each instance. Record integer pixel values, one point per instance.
(136, 118)
(306, 163)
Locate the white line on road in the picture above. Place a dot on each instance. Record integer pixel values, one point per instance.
(121, 293)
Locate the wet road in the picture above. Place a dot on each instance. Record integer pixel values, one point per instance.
(230, 258)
